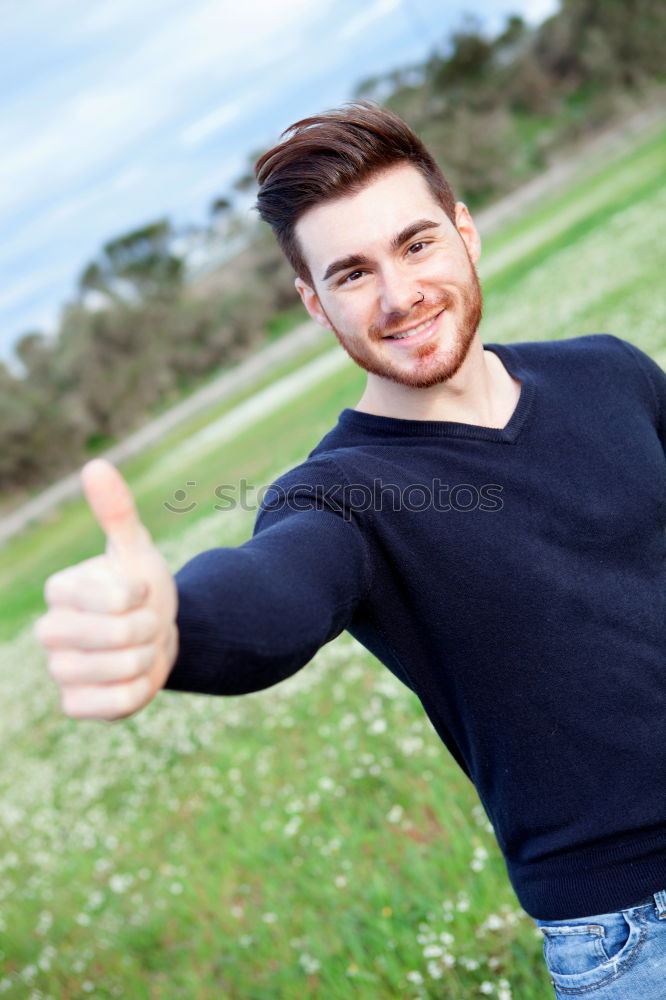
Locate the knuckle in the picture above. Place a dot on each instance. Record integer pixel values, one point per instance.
(148, 654)
(72, 703)
(122, 632)
(51, 588)
(102, 632)
(151, 623)
(127, 665)
(131, 697)
(97, 594)
(116, 599)
(62, 666)
(136, 591)
(45, 629)
(140, 660)
(59, 586)
(61, 626)
(107, 702)
(125, 701)
(120, 593)
(144, 625)
(39, 630)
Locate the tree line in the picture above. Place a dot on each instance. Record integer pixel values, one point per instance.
(138, 334)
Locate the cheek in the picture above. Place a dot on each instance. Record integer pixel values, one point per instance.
(440, 268)
(352, 315)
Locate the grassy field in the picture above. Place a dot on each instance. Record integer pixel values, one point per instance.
(315, 841)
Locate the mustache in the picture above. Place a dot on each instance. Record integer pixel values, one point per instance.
(394, 322)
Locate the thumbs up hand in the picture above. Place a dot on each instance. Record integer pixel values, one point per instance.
(110, 631)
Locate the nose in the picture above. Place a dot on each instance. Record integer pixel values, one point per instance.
(398, 292)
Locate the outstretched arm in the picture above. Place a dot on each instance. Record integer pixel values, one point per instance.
(119, 627)
(251, 616)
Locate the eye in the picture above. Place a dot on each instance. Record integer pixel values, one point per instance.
(417, 247)
(351, 277)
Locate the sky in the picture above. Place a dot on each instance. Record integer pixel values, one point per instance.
(120, 113)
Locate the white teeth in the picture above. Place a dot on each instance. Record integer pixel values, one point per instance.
(412, 333)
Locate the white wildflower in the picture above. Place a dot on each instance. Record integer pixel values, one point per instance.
(432, 951)
(120, 883)
(469, 963)
(292, 826)
(435, 970)
(309, 964)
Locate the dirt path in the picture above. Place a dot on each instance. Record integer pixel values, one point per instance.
(576, 161)
(289, 346)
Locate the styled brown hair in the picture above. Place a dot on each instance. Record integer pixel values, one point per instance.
(334, 154)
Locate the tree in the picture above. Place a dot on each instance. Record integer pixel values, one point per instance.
(220, 206)
(137, 265)
(469, 60)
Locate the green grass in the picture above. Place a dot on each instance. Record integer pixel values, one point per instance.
(314, 841)
(284, 321)
(69, 535)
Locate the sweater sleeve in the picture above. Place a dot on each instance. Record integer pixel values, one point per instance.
(251, 616)
(656, 380)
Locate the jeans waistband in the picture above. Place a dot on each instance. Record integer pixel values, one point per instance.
(642, 902)
(659, 899)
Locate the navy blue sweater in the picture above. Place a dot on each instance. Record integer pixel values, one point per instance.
(514, 578)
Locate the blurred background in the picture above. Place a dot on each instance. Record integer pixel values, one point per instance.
(130, 255)
(313, 841)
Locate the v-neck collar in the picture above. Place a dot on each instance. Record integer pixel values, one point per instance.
(451, 428)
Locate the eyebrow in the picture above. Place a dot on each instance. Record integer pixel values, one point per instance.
(357, 260)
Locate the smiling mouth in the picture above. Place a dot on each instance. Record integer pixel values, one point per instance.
(416, 331)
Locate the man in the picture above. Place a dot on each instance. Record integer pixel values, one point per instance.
(488, 521)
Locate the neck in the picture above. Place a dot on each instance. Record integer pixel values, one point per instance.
(481, 392)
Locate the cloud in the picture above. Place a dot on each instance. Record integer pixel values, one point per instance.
(539, 10)
(366, 17)
(27, 288)
(117, 113)
(128, 178)
(217, 119)
(217, 179)
(22, 290)
(116, 102)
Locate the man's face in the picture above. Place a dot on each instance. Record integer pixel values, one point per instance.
(394, 278)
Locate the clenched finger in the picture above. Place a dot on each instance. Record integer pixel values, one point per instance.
(105, 701)
(65, 628)
(94, 586)
(75, 667)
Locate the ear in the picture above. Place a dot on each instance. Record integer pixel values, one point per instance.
(311, 302)
(468, 231)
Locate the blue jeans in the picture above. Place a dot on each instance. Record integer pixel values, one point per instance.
(610, 956)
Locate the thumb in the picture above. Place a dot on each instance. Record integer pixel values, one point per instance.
(112, 504)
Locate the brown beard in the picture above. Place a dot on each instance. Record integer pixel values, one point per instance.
(422, 376)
